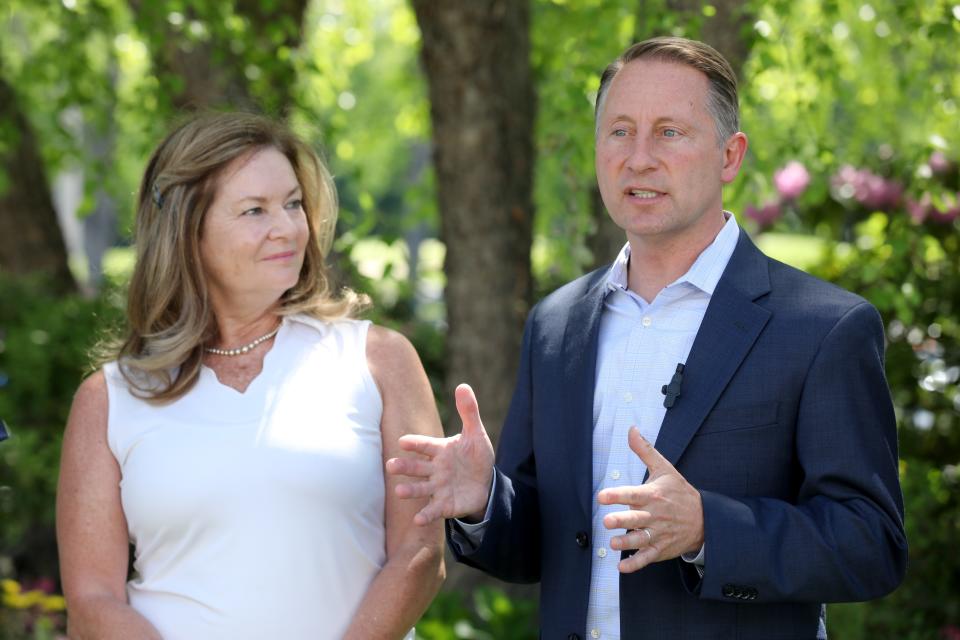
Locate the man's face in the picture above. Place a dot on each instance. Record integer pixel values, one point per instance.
(659, 166)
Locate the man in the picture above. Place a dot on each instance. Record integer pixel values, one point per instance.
(773, 485)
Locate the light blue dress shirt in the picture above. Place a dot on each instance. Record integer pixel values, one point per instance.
(640, 345)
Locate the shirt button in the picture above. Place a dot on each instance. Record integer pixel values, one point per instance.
(615, 474)
(602, 552)
(647, 321)
(628, 397)
(594, 633)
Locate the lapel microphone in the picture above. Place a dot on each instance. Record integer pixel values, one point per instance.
(672, 390)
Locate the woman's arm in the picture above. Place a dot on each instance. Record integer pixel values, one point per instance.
(91, 528)
(414, 570)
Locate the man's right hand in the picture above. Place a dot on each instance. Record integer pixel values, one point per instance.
(455, 472)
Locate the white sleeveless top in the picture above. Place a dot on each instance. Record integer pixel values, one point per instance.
(257, 514)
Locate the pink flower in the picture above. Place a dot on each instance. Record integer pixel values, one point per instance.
(949, 215)
(939, 163)
(46, 585)
(950, 632)
(919, 209)
(923, 209)
(792, 180)
(765, 216)
(867, 188)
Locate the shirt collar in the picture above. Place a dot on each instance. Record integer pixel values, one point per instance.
(705, 271)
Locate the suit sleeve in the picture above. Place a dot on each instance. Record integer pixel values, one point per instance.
(843, 538)
(510, 547)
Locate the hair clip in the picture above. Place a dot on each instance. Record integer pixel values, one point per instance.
(157, 198)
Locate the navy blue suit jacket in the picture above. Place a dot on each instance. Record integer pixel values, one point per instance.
(786, 427)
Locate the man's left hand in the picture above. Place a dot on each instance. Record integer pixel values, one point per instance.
(665, 518)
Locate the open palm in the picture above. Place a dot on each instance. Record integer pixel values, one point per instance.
(455, 472)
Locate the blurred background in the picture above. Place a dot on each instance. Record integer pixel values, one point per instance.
(461, 138)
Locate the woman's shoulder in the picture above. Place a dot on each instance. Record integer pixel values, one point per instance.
(90, 405)
(385, 346)
(93, 389)
(391, 357)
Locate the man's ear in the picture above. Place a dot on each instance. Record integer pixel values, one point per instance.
(734, 150)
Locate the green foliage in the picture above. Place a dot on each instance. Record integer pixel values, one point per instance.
(873, 85)
(927, 604)
(567, 62)
(493, 616)
(44, 344)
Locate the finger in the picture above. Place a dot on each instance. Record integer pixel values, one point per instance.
(414, 490)
(627, 519)
(635, 539)
(425, 445)
(469, 411)
(639, 560)
(430, 513)
(656, 463)
(632, 495)
(413, 467)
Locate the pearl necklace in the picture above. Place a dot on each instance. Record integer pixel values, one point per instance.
(245, 348)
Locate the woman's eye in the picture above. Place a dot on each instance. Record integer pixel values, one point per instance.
(295, 204)
(253, 212)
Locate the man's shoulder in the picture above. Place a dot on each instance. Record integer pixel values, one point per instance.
(809, 295)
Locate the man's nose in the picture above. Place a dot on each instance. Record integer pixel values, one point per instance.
(642, 155)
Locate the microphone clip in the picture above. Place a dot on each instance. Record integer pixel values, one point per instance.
(672, 391)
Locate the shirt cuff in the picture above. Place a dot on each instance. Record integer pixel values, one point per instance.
(468, 536)
(695, 558)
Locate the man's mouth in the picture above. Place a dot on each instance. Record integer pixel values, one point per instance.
(643, 194)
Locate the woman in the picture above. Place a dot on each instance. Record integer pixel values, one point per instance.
(237, 437)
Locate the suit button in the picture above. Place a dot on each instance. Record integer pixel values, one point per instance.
(582, 539)
(573, 636)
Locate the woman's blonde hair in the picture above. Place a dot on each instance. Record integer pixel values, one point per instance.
(169, 316)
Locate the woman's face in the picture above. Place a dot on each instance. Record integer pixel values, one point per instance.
(255, 233)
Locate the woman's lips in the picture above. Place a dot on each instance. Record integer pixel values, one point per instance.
(281, 256)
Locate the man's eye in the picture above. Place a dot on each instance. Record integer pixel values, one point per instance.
(619, 133)
(670, 133)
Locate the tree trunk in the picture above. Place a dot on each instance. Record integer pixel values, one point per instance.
(30, 241)
(482, 104)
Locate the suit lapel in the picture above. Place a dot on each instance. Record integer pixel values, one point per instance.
(730, 326)
(577, 381)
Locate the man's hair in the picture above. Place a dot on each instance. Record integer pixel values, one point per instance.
(722, 97)
(169, 317)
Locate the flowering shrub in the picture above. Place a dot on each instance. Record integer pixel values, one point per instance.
(35, 613)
